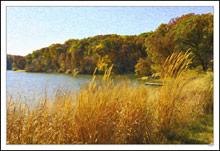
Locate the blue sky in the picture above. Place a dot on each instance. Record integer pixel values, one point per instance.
(32, 28)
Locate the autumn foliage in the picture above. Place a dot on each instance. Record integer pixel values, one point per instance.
(181, 33)
(143, 54)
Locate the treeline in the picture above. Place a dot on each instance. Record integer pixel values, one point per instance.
(85, 55)
(9, 61)
(142, 54)
(194, 32)
(15, 62)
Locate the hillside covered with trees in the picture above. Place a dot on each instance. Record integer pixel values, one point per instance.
(142, 54)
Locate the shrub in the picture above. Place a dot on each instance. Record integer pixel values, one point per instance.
(143, 67)
(68, 71)
(14, 69)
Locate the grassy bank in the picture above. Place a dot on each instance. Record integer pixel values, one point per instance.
(179, 112)
(112, 114)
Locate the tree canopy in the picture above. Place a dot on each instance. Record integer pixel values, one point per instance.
(180, 34)
(142, 54)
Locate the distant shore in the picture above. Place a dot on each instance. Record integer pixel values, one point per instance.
(19, 70)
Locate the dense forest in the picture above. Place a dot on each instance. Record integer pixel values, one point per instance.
(142, 54)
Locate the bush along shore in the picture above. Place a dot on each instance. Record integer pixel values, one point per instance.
(178, 112)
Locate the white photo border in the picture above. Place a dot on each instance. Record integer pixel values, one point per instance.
(5, 4)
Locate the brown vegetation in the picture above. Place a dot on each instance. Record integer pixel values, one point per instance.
(111, 113)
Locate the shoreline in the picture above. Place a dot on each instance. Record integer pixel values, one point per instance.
(19, 70)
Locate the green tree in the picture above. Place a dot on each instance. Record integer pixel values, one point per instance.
(180, 34)
(196, 32)
(145, 35)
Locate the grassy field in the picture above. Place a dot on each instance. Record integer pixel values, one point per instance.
(179, 112)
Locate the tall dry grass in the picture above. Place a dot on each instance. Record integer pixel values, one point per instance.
(98, 114)
(181, 100)
(109, 113)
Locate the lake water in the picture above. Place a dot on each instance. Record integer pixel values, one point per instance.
(26, 85)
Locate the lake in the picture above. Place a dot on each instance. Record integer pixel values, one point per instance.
(26, 85)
